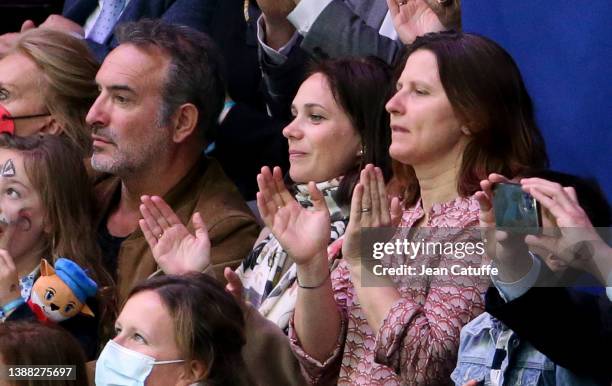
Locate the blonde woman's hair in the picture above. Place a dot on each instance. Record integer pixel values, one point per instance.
(68, 79)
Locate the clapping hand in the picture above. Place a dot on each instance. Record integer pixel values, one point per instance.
(370, 208)
(175, 249)
(303, 233)
(413, 18)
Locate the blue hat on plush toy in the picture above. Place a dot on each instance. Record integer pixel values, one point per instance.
(76, 278)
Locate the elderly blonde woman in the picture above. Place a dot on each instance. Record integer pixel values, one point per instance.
(47, 84)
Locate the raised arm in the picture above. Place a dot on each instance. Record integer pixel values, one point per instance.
(304, 234)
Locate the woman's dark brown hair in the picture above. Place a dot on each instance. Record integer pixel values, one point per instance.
(35, 344)
(208, 324)
(360, 87)
(487, 93)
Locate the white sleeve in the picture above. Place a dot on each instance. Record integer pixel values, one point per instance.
(511, 291)
(306, 13)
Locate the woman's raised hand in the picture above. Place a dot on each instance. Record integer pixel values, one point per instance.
(303, 233)
(370, 208)
(174, 248)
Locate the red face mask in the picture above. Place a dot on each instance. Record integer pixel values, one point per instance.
(7, 122)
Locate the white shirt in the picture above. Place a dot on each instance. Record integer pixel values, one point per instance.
(511, 291)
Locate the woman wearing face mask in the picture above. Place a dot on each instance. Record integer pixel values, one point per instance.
(338, 126)
(176, 330)
(47, 84)
(45, 212)
(460, 111)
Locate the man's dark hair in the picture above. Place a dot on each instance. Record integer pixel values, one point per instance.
(195, 73)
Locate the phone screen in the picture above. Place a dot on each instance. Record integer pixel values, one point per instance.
(516, 211)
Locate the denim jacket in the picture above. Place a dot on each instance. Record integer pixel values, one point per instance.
(522, 364)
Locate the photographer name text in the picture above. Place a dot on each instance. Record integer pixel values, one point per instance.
(423, 270)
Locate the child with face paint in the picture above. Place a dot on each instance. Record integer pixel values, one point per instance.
(45, 212)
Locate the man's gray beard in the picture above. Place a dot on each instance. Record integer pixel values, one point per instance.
(125, 166)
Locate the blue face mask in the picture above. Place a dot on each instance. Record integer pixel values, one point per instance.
(119, 366)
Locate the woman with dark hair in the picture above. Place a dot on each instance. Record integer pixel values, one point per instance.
(34, 344)
(338, 127)
(192, 332)
(460, 111)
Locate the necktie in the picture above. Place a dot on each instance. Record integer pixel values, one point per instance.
(109, 14)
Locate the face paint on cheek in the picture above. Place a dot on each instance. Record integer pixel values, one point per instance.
(23, 221)
(4, 221)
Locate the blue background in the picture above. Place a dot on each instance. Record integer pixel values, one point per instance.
(564, 51)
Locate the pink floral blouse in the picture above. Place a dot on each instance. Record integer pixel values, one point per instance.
(418, 341)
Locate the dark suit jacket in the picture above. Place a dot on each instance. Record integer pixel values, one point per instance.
(193, 13)
(237, 41)
(573, 328)
(246, 140)
(354, 24)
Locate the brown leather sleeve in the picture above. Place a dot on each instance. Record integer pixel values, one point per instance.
(267, 353)
(232, 239)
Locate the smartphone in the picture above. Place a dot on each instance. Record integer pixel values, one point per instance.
(516, 211)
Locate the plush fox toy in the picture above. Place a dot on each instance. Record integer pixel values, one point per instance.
(60, 293)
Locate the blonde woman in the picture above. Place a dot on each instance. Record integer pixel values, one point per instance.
(47, 84)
